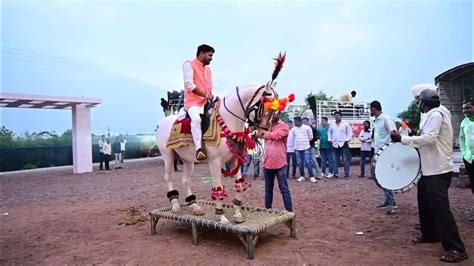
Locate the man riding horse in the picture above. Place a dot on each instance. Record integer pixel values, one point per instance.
(197, 91)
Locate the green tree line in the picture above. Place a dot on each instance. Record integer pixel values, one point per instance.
(10, 140)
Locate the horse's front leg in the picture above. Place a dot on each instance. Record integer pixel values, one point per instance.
(172, 194)
(218, 193)
(240, 186)
(188, 172)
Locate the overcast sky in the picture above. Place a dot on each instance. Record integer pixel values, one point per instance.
(129, 53)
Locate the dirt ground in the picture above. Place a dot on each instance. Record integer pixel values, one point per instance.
(55, 217)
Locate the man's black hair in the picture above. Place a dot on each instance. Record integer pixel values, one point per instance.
(376, 105)
(470, 100)
(324, 118)
(337, 113)
(204, 48)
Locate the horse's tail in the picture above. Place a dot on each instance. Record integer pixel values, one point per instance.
(163, 133)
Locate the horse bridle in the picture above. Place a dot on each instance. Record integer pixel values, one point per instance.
(257, 108)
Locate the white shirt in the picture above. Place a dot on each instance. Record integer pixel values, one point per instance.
(303, 135)
(366, 140)
(101, 145)
(435, 142)
(404, 132)
(188, 75)
(345, 98)
(339, 133)
(122, 145)
(107, 148)
(290, 144)
(383, 125)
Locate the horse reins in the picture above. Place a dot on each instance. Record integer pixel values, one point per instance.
(257, 107)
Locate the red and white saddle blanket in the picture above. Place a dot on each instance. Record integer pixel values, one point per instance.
(181, 133)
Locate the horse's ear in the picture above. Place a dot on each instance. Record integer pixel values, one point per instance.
(268, 87)
(274, 84)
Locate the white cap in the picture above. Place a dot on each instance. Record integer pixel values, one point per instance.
(417, 89)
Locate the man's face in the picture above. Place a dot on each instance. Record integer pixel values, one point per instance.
(372, 111)
(338, 117)
(366, 125)
(324, 122)
(306, 121)
(206, 58)
(275, 118)
(468, 109)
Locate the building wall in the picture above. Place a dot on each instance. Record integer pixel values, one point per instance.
(451, 96)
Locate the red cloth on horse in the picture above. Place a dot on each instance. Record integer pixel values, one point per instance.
(185, 125)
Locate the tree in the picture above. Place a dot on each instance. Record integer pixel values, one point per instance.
(411, 116)
(285, 117)
(321, 96)
(6, 138)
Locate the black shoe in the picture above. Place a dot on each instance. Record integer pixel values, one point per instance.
(454, 256)
(422, 240)
(201, 154)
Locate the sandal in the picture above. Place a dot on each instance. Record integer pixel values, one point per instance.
(422, 240)
(454, 256)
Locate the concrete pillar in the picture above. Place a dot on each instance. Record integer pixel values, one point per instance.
(81, 139)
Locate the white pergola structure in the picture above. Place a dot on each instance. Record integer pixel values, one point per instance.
(81, 121)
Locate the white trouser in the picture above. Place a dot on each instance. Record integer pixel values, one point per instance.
(194, 112)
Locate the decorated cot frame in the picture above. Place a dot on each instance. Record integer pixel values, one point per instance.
(257, 221)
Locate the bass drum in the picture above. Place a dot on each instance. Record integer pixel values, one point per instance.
(397, 167)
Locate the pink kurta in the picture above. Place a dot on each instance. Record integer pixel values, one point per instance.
(275, 146)
(203, 80)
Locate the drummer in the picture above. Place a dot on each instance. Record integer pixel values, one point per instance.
(383, 125)
(435, 144)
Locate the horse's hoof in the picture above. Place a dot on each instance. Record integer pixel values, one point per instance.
(199, 211)
(224, 220)
(239, 219)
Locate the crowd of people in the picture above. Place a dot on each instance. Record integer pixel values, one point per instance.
(434, 142)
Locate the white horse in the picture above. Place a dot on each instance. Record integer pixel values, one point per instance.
(241, 106)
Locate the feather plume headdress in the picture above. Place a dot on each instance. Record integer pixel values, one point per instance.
(280, 60)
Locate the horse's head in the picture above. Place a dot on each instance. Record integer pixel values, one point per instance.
(262, 119)
(254, 102)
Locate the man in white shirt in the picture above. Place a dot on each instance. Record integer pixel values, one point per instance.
(122, 148)
(339, 135)
(404, 129)
(313, 149)
(101, 152)
(383, 125)
(302, 135)
(290, 152)
(346, 99)
(435, 144)
(365, 138)
(197, 91)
